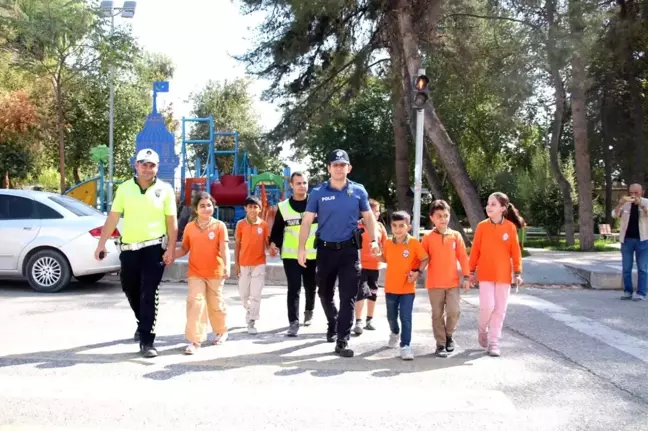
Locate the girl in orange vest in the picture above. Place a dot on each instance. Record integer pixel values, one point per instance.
(207, 242)
(494, 255)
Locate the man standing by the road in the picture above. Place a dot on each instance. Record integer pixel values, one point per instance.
(633, 211)
(147, 242)
(285, 236)
(338, 204)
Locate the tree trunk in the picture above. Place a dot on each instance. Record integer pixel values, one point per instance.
(608, 141)
(434, 181)
(61, 132)
(559, 118)
(579, 119)
(401, 140)
(446, 149)
(77, 177)
(628, 13)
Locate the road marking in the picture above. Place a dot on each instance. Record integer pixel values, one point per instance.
(430, 397)
(629, 344)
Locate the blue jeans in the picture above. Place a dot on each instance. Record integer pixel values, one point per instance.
(629, 248)
(404, 302)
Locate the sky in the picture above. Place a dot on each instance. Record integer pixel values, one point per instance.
(200, 36)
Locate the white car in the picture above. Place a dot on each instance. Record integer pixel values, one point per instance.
(49, 238)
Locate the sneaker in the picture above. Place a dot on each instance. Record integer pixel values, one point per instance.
(406, 353)
(136, 336)
(357, 329)
(639, 298)
(308, 317)
(626, 295)
(493, 351)
(342, 349)
(294, 328)
(251, 329)
(450, 344)
(148, 351)
(191, 349)
(441, 352)
(483, 339)
(369, 325)
(393, 340)
(220, 338)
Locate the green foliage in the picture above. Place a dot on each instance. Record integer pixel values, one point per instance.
(16, 160)
(538, 195)
(561, 244)
(363, 127)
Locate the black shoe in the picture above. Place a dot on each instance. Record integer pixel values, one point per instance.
(136, 337)
(331, 338)
(369, 325)
(342, 349)
(148, 351)
(450, 344)
(441, 352)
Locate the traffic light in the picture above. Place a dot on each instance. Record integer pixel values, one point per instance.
(421, 91)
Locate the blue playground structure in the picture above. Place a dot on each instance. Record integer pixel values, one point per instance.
(228, 189)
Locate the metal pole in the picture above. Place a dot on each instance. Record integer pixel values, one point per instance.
(418, 168)
(110, 124)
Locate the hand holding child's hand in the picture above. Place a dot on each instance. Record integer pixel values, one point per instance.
(473, 279)
(466, 285)
(412, 276)
(274, 250)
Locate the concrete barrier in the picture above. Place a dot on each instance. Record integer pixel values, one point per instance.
(601, 278)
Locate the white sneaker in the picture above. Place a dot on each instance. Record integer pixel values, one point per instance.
(393, 340)
(220, 338)
(191, 349)
(406, 353)
(251, 329)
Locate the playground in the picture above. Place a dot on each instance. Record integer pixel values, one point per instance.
(229, 189)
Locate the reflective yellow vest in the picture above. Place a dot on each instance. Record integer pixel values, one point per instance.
(290, 245)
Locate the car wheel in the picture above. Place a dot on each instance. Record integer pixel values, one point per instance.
(89, 279)
(48, 271)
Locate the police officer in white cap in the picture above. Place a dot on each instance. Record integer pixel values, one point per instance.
(147, 243)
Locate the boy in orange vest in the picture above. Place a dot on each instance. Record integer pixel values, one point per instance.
(445, 247)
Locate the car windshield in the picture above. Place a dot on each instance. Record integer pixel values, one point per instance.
(75, 206)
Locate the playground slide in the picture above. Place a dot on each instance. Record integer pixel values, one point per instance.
(85, 192)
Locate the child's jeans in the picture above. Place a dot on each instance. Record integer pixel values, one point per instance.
(205, 302)
(400, 305)
(251, 282)
(493, 301)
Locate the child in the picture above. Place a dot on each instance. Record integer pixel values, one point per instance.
(445, 247)
(250, 259)
(206, 241)
(405, 259)
(494, 247)
(370, 266)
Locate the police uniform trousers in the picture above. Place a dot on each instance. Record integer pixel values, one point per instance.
(340, 264)
(141, 274)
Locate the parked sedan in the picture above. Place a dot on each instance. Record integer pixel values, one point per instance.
(49, 238)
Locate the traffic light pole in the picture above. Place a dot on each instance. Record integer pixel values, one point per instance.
(418, 168)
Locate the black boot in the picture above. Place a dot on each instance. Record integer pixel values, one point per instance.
(342, 349)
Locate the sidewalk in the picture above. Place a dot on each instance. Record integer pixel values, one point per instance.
(598, 270)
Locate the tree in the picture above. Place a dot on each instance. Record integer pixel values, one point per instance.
(582, 156)
(59, 39)
(231, 105)
(315, 52)
(18, 119)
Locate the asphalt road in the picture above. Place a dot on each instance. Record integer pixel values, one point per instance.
(572, 359)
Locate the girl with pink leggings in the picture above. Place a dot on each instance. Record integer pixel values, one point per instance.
(495, 254)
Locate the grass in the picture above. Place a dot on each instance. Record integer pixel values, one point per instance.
(561, 245)
(525, 253)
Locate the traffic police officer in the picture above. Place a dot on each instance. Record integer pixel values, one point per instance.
(148, 242)
(338, 204)
(285, 236)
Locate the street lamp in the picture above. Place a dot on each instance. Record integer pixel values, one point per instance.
(126, 11)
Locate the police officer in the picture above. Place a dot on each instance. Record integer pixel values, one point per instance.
(285, 236)
(338, 204)
(147, 243)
